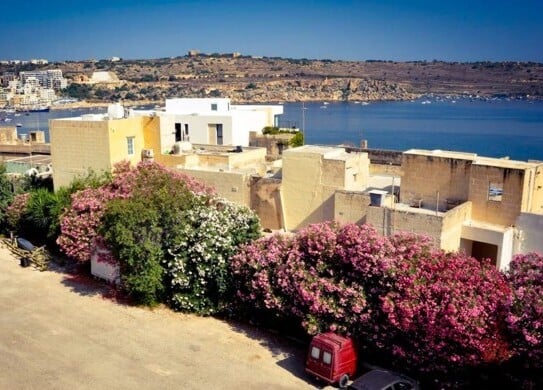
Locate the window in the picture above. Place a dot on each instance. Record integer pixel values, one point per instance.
(326, 357)
(495, 191)
(213, 106)
(315, 352)
(177, 132)
(130, 145)
(219, 134)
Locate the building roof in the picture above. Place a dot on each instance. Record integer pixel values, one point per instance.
(328, 152)
(477, 160)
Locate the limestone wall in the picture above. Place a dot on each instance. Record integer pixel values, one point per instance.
(234, 186)
(351, 206)
(500, 212)
(530, 233)
(434, 179)
(266, 202)
(389, 221)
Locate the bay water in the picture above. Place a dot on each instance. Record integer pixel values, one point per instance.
(493, 128)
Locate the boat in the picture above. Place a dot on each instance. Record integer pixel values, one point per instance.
(33, 108)
(19, 125)
(39, 109)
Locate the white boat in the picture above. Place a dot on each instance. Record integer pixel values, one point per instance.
(19, 125)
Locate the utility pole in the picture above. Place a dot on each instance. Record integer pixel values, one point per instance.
(303, 122)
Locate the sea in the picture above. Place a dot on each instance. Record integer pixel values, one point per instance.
(489, 127)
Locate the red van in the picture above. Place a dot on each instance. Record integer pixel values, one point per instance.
(332, 358)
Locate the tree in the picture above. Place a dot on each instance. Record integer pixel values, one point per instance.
(6, 191)
(133, 231)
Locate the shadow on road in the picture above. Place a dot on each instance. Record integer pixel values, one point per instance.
(78, 279)
(292, 350)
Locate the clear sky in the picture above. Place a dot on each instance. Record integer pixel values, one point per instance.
(460, 30)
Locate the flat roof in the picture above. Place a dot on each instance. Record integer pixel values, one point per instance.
(477, 160)
(328, 152)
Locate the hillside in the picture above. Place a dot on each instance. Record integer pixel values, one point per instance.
(247, 79)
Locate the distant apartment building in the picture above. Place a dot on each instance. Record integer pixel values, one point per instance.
(7, 77)
(51, 78)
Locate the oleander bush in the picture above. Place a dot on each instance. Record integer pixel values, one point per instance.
(426, 308)
(525, 317)
(79, 224)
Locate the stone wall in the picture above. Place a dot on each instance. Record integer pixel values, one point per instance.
(435, 180)
(266, 202)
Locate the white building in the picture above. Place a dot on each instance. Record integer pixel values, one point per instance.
(51, 78)
(213, 121)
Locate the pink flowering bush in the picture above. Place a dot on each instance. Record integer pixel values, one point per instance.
(319, 275)
(426, 308)
(15, 211)
(525, 317)
(446, 311)
(80, 222)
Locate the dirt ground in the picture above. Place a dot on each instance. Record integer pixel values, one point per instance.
(60, 331)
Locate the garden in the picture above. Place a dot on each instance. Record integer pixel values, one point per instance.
(445, 318)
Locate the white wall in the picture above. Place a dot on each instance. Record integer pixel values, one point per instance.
(196, 105)
(244, 122)
(198, 128)
(530, 233)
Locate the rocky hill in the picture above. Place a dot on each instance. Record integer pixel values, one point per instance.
(248, 79)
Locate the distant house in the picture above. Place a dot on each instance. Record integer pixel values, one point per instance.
(212, 121)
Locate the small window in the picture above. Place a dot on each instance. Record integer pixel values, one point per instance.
(213, 106)
(178, 132)
(315, 352)
(495, 191)
(326, 357)
(130, 145)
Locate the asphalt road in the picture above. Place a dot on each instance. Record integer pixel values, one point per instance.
(59, 331)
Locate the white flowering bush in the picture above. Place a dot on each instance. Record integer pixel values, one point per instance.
(198, 266)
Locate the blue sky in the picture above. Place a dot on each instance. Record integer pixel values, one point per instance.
(351, 30)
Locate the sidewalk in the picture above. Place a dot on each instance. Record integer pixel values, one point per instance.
(58, 332)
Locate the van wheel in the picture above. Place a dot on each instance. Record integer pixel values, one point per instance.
(343, 381)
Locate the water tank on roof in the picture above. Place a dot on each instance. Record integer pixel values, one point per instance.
(377, 198)
(115, 111)
(182, 147)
